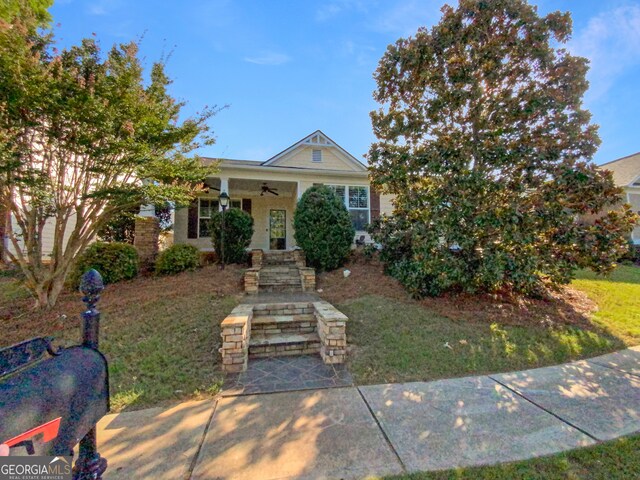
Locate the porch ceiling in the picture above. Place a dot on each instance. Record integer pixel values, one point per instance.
(254, 187)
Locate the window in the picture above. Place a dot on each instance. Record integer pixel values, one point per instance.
(316, 155)
(207, 207)
(356, 199)
(235, 204)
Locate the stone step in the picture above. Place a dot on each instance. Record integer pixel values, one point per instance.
(279, 269)
(289, 308)
(273, 280)
(280, 319)
(275, 345)
(279, 277)
(276, 324)
(281, 288)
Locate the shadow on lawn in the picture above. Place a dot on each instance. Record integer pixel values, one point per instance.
(394, 341)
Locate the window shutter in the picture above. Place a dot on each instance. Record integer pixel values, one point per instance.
(246, 205)
(192, 222)
(374, 205)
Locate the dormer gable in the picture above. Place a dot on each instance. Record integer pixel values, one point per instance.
(316, 151)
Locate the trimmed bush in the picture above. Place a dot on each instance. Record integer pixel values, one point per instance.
(323, 228)
(177, 258)
(238, 230)
(115, 261)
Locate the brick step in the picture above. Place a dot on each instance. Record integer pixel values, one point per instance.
(279, 281)
(280, 269)
(277, 309)
(273, 324)
(276, 345)
(279, 276)
(281, 288)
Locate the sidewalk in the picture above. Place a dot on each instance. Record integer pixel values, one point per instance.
(377, 430)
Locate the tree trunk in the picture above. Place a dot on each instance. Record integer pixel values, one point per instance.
(47, 292)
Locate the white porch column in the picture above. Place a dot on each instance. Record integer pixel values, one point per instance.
(299, 190)
(224, 187)
(147, 210)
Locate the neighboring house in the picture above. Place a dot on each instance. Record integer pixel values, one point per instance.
(626, 174)
(270, 190)
(47, 238)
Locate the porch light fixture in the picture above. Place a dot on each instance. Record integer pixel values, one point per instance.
(223, 198)
(224, 203)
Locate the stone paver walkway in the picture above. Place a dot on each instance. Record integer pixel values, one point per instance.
(286, 374)
(377, 430)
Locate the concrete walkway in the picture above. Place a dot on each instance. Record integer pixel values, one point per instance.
(378, 430)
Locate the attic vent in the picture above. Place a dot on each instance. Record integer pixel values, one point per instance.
(316, 155)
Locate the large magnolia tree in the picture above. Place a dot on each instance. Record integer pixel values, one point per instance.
(483, 138)
(83, 137)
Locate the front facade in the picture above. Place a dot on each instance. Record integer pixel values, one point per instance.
(626, 174)
(270, 190)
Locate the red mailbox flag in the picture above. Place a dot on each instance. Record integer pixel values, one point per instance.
(49, 431)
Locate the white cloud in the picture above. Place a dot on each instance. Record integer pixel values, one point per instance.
(269, 58)
(336, 7)
(611, 41)
(103, 7)
(404, 18)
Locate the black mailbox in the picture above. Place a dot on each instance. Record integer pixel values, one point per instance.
(51, 400)
(62, 396)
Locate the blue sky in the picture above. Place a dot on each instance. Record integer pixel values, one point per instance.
(287, 68)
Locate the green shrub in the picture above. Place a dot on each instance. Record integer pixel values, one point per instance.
(632, 255)
(177, 258)
(323, 228)
(238, 230)
(115, 261)
(369, 251)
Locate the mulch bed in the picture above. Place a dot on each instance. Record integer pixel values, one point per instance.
(19, 320)
(565, 307)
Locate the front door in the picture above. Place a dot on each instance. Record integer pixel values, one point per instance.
(277, 229)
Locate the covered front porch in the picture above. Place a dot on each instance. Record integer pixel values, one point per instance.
(270, 203)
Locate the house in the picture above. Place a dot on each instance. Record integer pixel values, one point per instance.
(269, 190)
(626, 174)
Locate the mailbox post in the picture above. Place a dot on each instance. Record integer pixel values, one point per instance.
(90, 465)
(51, 398)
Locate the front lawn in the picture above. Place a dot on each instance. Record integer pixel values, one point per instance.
(393, 338)
(615, 460)
(618, 299)
(395, 341)
(160, 334)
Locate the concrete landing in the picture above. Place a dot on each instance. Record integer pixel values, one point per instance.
(286, 374)
(283, 297)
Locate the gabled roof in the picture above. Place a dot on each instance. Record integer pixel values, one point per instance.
(626, 170)
(321, 140)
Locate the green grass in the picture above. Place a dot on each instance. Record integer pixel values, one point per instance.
(614, 460)
(618, 299)
(398, 341)
(160, 334)
(169, 355)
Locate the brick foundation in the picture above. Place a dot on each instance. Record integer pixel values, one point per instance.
(251, 280)
(236, 332)
(147, 233)
(308, 279)
(332, 328)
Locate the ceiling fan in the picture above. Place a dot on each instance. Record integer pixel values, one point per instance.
(266, 189)
(208, 187)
